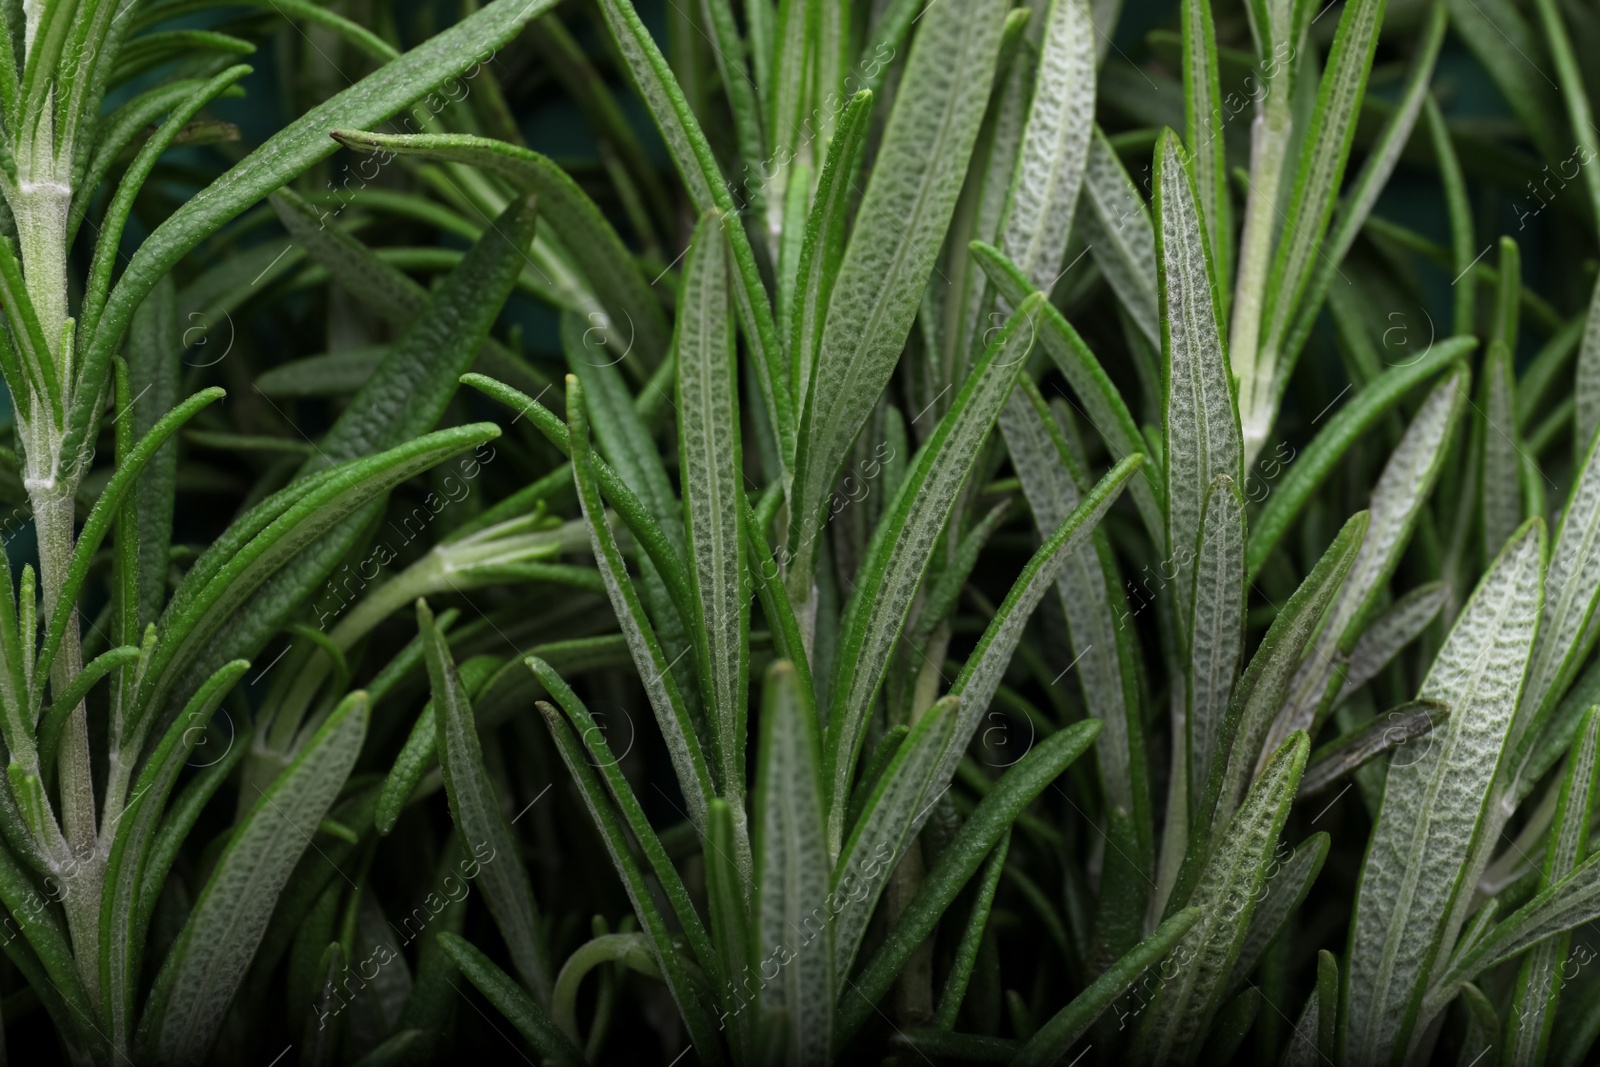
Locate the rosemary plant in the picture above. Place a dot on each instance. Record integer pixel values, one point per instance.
(973, 532)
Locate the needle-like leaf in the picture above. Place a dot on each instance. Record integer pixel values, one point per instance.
(910, 196)
(710, 467)
(1539, 980)
(902, 546)
(1412, 884)
(480, 816)
(1227, 896)
(1217, 628)
(795, 906)
(1199, 402)
(199, 977)
(1050, 1044)
(298, 146)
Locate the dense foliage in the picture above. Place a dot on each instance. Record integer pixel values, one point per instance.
(947, 531)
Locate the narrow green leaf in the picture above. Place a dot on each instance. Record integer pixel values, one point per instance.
(99, 523)
(403, 398)
(1347, 753)
(1202, 126)
(1414, 882)
(729, 50)
(1567, 630)
(683, 744)
(775, 604)
(320, 1040)
(108, 236)
(1460, 208)
(1099, 640)
(894, 813)
(1351, 423)
(414, 383)
(1216, 641)
(1502, 503)
(1390, 631)
(1182, 1010)
(333, 374)
(1289, 879)
(1483, 1023)
(633, 320)
(710, 469)
(51, 953)
(786, 95)
(479, 815)
(1121, 238)
(823, 243)
(1324, 153)
(593, 735)
(954, 307)
(1302, 1050)
(1243, 742)
(1050, 162)
(35, 376)
(382, 286)
(1397, 498)
(504, 993)
(1568, 903)
(199, 977)
(1365, 190)
(153, 378)
(981, 676)
(915, 181)
(708, 191)
(901, 547)
(794, 905)
(1539, 981)
(177, 823)
(691, 1005)
(958, 862)
(1103, 406)
(262, 541)
(1056, 1037)
(288, 153)
(945, 1047)
(420, 753)
(1500, 38)
(1573, 95)
(966, 953)
(51, 723)
(1586, 417)
(726, 897)
(1199, 403)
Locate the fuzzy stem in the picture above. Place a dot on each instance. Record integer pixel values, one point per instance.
(1269, 137)
(83, 868)
(41, 210)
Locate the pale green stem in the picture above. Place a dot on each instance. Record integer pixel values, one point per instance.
(53, 519)
(444, 569)
(41, 209)
(631, 949)
(83, 868)
(40, 204)
(1269, 143)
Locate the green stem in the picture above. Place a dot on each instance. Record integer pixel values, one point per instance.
(1269, 144)
(82, 869)
(631, 949)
